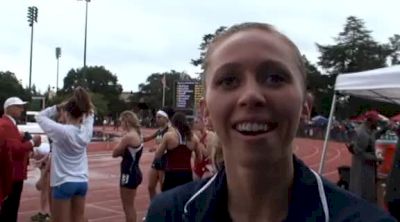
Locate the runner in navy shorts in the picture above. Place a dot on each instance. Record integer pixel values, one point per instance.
(131, 176)
(159, 163)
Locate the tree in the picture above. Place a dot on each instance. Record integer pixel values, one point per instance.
(100, 103)
(10, 86)
(58, 98)
(394, 43)
(321, 86)
(207, 39)
(102, 83)
(34, 91)
(355, 50)
(97, 79)
(151, 91)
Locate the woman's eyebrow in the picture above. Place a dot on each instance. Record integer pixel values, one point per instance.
(227, 67)
(275, 64)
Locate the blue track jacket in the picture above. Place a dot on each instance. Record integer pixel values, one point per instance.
(312, 199)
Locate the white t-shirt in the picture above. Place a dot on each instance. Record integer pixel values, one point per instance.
(43, 149)
(69, 162)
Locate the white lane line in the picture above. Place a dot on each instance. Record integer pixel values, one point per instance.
(104, 208)
(315, 152)
(337, 155)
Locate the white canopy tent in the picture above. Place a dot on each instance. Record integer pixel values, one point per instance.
(378, 84)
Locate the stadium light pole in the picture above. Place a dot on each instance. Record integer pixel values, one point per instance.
(58, 55)
(84, 47)
(32, 18)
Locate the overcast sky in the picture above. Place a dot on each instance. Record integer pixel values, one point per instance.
(133, 38)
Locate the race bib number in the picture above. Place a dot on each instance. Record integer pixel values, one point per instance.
(124, 179)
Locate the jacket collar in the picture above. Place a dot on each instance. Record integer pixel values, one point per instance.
(209, 203)
(307, 199)
(10, 118)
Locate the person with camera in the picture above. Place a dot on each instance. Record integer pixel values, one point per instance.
(363, 171)
(19, 145)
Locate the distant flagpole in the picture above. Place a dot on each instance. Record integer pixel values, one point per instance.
(164, 83)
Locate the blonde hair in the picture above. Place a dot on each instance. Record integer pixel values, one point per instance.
(131, 119)
(217, 156)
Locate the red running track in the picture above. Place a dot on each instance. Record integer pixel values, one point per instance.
(103, 201)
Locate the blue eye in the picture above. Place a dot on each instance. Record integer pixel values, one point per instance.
(273, 73)
(274, 79)
(228, 82)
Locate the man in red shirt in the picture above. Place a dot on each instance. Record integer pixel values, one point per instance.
(19, 152)
(6, 169)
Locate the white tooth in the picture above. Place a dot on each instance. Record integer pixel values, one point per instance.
(254, 127)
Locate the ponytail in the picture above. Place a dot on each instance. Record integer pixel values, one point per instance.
(79, 104)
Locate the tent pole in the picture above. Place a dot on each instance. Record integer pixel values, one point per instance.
(327, 133)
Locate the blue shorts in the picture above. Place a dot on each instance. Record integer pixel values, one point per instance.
(69, 189)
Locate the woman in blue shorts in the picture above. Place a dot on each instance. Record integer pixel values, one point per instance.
(130, 148)
(69, 162)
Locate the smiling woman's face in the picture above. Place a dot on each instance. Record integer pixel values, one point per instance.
(255, 96)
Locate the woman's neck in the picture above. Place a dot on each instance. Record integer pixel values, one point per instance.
(164, 127)
(261, 193)
(133, 129)
(128, 129)
(75, 122)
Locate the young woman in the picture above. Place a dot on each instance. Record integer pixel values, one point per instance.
(178, 146)
(255, 96)
(69, 162)
(156, 173)
(43, 184)
(41, 156)
(130, 148)
(203, 168)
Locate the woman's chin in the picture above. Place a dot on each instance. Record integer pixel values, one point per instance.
(258, 158)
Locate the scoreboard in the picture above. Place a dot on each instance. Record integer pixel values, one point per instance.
(188, 94)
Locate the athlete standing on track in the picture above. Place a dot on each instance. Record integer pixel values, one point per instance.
(178, 146)
(156, 174)
(41, 157)
(69, 162)
(202, 168)
(130, 148)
